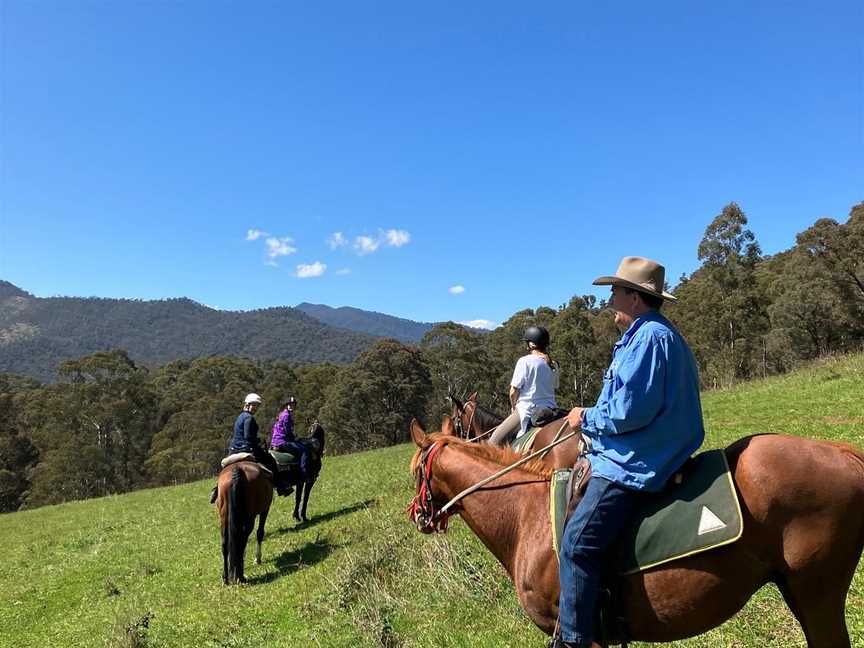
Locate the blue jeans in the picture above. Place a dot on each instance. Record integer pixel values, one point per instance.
(590, 532)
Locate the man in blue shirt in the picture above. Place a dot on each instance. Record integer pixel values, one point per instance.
(646, 423)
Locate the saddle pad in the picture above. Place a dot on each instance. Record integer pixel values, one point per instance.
(525, 442)
(699, 513)
(237, 456)
(285, 459)
(558, 499)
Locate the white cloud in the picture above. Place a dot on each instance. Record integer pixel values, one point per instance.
(481, 324)
(343, 271)
(316, 269)
(456, 290)
(279, 247)
(254, 234)
(366, 244)
(397, 238)
(337, 240)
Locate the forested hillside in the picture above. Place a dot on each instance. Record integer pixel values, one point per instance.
(36, 335)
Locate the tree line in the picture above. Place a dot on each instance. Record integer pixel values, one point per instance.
(109, 426)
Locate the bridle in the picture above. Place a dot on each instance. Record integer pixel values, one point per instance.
(422, 510)
(463, 431)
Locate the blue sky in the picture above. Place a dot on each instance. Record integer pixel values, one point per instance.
(213, 149)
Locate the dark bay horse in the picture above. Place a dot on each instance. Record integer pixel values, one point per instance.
(472, 421)
(243, 492)
(314, 444)
(802, 504)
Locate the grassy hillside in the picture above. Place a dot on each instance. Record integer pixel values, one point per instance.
(144, 569)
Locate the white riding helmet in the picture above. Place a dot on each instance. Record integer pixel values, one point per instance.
(252, 398)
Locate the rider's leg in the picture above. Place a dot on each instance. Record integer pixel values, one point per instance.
(594, 526)
(506, 430)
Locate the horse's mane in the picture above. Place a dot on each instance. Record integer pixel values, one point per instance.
(501, 456)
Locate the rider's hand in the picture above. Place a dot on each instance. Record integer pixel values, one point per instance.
(574, 418)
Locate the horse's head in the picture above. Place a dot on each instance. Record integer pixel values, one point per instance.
(463, 414)
(316, 431)
(424, 510)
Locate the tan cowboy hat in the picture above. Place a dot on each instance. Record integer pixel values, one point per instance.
(640, 274)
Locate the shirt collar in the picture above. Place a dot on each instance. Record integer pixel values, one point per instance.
(650, 316)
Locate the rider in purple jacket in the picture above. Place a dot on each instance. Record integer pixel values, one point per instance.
(283, 438)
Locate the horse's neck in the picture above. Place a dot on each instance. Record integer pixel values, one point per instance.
(484, 420)
(500, 512)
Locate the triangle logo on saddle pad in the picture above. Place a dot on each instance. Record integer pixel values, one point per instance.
(709, 522)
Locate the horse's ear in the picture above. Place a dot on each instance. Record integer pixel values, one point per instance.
(447, 427)
(473, 397)
(418, 434)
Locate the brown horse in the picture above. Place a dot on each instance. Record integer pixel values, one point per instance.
(473, 421)
(243, 491)
(802, 503)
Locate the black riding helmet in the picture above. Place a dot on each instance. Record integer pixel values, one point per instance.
(538, 335)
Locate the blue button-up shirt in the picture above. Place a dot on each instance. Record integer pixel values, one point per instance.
(648, 418)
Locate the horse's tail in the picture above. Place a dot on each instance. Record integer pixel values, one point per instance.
(236, 522)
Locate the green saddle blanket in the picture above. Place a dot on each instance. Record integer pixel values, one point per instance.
(696, 512)
(525, 442)
(285, 459)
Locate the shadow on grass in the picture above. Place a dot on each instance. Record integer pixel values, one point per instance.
(317, 519)
(290, 561)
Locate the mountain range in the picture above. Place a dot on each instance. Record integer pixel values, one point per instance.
(37, 334)
(355, 319)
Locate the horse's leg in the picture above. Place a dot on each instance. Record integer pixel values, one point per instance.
(298, 493)
(262, 518)
(821, 613)
(225, 549)
(244, 540)
(306, 492)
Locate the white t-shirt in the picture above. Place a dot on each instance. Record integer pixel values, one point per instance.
(536, 383)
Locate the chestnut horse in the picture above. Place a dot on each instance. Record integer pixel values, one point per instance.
(243, 492)
(801, 500)
(472, 421)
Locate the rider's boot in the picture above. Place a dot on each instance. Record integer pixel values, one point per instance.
(283, 488)
(557, 642)
(213, 494)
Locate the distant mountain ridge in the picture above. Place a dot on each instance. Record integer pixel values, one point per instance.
(37, 334)
(369, 322)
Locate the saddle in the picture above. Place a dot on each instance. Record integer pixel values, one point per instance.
(237, 457)
(546, 415)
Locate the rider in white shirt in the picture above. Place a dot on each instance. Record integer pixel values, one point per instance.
(532, 387)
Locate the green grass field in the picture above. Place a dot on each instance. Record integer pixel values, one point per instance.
(144, 569)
